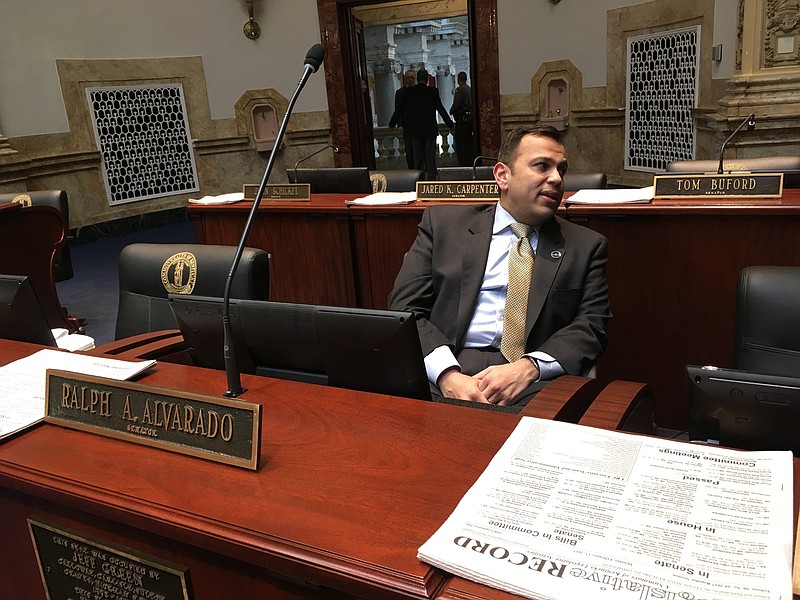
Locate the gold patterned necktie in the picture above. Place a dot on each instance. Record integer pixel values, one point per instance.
(520, 267)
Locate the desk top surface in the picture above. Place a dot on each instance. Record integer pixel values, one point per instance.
(789, 203)
(350, 482)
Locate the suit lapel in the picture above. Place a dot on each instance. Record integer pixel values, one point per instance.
(474, 254)
(549, 254)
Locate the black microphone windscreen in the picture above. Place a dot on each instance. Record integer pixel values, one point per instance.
(314, 56)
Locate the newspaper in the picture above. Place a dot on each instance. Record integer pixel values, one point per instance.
(565, 511)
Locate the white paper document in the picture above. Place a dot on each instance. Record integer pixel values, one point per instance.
(612, 196)
(221, 199)
(565, 512)
(385, 198)
(23, 383)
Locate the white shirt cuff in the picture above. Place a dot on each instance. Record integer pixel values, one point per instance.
(438, 361)
(549, 367)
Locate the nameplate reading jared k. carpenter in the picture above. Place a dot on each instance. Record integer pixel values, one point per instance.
(459, 191)
(219, 429)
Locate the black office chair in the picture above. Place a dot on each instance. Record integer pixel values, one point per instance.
(58, 200)
(149, 272)
(397, 180)
(332, 180)
(767, 329)
(584, 181)
(788, 165)
(483, 172)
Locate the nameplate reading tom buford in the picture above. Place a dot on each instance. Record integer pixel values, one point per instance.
(729, 185)
(219, 429)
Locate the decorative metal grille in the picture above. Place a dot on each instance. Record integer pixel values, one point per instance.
(143, 136)
(662, 91)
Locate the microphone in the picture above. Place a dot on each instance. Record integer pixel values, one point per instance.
(475, 164)
(305, 158)
(751, 124)
(312, 62)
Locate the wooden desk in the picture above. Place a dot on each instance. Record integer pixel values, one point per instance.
(673, 272)
(351, 484)
(310, 244)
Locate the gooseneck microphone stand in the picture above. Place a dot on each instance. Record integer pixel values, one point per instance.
(751, 123)
(312, 62)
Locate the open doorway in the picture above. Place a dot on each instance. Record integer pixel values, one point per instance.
(357, 95)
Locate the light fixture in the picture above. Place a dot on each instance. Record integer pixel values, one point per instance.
(251, 29)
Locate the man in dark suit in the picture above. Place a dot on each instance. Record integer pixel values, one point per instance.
(417, 109)
(409, 78)
(455, 277)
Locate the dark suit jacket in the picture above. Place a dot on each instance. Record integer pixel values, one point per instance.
(568, 307)
(417, 108)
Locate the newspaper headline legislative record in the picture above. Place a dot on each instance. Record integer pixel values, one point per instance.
(565, 511)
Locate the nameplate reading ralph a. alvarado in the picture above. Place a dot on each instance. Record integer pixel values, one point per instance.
(219, 429)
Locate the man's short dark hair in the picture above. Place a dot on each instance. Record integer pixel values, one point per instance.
(508, 150)
(422, 76)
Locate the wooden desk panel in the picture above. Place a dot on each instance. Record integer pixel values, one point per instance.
(310, 243)
(351, 484)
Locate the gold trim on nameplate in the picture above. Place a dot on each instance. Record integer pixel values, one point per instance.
(77, 565)
(219, 429)
(458, 191)
(727, 185)
(283, 192)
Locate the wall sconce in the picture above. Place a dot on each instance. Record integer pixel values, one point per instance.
(251, 29)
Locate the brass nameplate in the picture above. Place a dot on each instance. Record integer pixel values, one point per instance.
(219, 429)
(730, 185)
(479, 191)
(76, 565)
(279, 191)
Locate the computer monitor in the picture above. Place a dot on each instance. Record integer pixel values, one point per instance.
(21, 316)
(344, 180)
(354, 348)
(744, 410)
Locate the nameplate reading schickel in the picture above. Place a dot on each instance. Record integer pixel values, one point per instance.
(459, 191)
(76, 565)
(279, 191)
(730, 185)
(219, 429)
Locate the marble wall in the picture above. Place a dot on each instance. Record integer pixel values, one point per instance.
(225, 149)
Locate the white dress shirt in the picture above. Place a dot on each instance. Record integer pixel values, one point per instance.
(486, 327)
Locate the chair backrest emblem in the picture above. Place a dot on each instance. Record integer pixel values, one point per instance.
(379, 182)
(23, 199)
(179, 273)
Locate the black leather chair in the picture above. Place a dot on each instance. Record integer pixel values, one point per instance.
(149, 272)
(788, 165)
(333, 180)
(584, 181)
(483, 172)
(58, 200)
(396, 180)
(767, 329)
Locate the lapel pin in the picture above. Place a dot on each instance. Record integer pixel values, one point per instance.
(555, 254)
